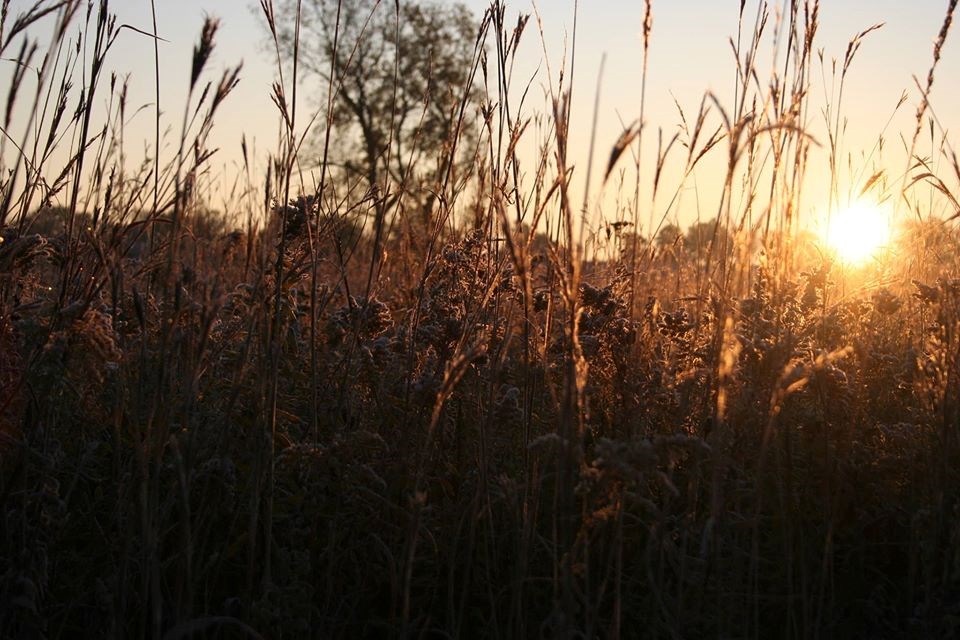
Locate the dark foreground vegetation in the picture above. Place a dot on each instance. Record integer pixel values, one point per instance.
(395, 399)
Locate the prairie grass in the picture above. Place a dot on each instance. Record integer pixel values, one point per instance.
(446, 405)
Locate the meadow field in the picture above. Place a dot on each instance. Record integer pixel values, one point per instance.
(403, 379)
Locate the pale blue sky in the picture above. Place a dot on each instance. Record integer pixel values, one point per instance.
(689, 55)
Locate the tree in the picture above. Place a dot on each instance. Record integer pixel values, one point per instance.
(668, 235)
(702, 235)
(401, 71)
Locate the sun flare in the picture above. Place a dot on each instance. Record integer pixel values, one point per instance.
(858, 232)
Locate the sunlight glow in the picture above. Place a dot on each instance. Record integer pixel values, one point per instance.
(858, 232)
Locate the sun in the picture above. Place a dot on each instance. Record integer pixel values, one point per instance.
(858, 232)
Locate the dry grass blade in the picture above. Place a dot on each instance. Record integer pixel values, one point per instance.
(854, 45)
(203, 49)
(623, 142)
(871, 181)
(34, 14)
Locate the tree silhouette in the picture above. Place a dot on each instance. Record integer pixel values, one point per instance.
(400, 72)
(668, 235)
(701, 236)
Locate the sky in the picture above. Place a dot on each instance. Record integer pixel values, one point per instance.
(690, 54)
